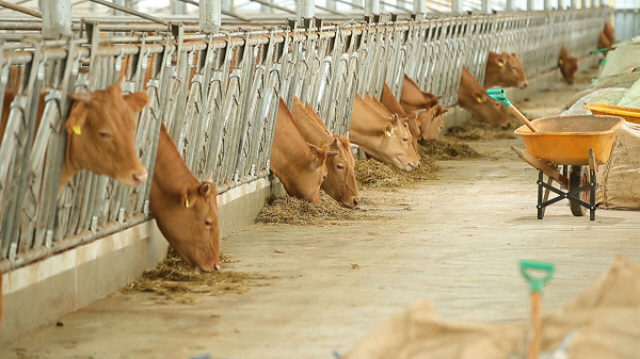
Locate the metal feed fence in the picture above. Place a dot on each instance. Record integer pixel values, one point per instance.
(218, 95)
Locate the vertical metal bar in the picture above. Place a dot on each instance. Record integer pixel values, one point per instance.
(530, 5)
(56, 18)
(574, 4)
(118, 12)
(547, 5)
(306, 8)
(511, 6)
(372, 7)
(210, 15)
(420, 6)
(456, 6)
(178, 8)
(485, 6)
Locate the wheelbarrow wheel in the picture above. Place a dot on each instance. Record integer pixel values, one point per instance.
(577, 179)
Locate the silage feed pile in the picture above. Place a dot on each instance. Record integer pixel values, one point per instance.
(445, 149)
(294, 211)
(375, 174)
(474, 130)
(173, 277)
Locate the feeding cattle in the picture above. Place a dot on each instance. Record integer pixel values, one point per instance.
(100, 134)
(340, 182)
(504, 70)
(386, 139)
(429, 112)
(185, 209)
(299, 165)
(568, 65)
(473, 98)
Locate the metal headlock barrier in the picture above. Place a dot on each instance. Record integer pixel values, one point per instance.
(218, 95)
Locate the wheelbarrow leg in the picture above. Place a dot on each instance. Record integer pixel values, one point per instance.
(543, 198)
(592, 184)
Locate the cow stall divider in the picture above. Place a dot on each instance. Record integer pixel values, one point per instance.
(218, 95)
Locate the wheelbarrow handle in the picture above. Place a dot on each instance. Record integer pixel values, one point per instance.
(536, 283)
(500, 95)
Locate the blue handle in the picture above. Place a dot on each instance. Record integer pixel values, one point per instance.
(500, 95)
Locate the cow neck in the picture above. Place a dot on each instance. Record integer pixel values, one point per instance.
(171, 173)
(391, 102)
(311, 131)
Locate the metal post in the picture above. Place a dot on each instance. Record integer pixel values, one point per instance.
(210, 15)
(531, 5)
(306, 8)
(594, 3)
(420, 6)
(118, 12)
(547, 5)
(456, 6)
(511, 5)
(574, 4)
(178, 8)
(485, 6)
(56, 18)
(372, 7)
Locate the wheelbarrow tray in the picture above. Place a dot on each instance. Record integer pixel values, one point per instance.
(628, 113)
(565, 140)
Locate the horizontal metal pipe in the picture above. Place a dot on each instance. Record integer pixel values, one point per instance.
(131, 12)
(22, 9)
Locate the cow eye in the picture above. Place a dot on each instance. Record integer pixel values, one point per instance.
(104, 134)
(208, 223)
(405, 139)
(340, 166)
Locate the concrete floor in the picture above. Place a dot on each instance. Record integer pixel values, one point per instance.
(457, 241)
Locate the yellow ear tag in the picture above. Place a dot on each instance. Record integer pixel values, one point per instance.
(387, 133)
(317, 159)
(500, 63)
(479, 99)
(186, 202)
(560, 62)
(77, 130)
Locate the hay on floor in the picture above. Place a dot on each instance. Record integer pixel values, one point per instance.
(294, 211)
(474, 130)
(173, 277)
(372, 173)
(444, 149)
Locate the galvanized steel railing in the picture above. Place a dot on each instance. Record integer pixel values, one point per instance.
(218, 95)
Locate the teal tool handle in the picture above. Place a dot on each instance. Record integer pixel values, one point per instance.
(598, 50)
(500, 95)
(536, 283)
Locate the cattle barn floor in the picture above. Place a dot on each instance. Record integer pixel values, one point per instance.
(456, 241)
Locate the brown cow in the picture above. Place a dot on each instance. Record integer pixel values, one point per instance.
(504, 70)
(100, 134)
(568, 65)
(391, 105)
(185, 209)
(340, 182)
(473, 98)
(298, 164)
(387, 139)
(429, 118)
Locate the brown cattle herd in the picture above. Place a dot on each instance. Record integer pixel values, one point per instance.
(305, 156)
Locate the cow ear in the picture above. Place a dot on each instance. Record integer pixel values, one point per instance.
(185, 200)
(120, 82)
(137, 100)
(205, 188)
(387, 130)
(478, 96)
(317, 151)
(77, 118)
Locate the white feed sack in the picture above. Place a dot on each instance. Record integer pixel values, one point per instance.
(609, 96)
(620, 60)
(619, 179)
(631, 97)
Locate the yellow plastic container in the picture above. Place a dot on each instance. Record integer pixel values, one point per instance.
(628, 113)
(565, 140)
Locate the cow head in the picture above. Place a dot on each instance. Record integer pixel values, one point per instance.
(505, 70)
(398, 145)
(340, 182)
(189, 222)
(414, 99)
(100, 135)
(432, 123)
(473, 98)
(308, 181)
(568, 65)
